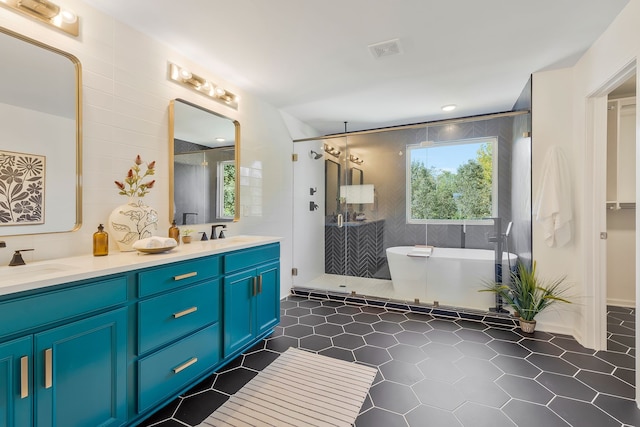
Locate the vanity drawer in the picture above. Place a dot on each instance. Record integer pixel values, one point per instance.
(163, 373)
(249, 257)
(177, 275)
(28, 312)
(169, 316)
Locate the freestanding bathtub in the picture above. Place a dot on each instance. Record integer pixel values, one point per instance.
(450, 276)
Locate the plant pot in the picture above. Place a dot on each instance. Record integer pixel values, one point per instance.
(186, 239)
(527, 326)
(131, 222)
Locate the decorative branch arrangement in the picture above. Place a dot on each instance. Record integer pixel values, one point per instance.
(133, 185)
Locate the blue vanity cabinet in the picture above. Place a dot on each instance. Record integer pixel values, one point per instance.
(79, 370)
(239, 319)
(251, 296)
(16, 382)
(268, 298)
(178, 323)
(110, 350)
(65, 365)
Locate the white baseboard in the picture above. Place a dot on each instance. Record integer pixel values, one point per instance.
(621, 302)
(554, 328)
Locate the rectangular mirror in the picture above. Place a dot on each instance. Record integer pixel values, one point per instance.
(332, 179)
(204, 164)
(40, 118)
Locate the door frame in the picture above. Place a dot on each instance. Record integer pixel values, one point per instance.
(595, 269)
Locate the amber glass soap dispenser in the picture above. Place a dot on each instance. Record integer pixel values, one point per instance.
(100, 242)
(174, 232)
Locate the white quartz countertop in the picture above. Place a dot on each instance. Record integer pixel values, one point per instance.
(41, 274)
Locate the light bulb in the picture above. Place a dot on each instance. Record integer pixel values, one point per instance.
(185, 74)
(68, 17)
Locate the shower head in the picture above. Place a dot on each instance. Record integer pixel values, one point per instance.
(506, 234)
(314, 155)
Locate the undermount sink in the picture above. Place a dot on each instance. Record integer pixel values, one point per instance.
(33, 271)
(243, 239)
(234, 240)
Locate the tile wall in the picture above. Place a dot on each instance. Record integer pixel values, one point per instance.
(125, 94)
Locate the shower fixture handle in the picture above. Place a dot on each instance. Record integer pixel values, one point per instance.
(506, 233)
(340, 221)
(312, 206)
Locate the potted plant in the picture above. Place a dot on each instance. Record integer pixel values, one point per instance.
(528, 295)
(186, 235)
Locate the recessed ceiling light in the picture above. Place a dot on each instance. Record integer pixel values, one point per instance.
(220, 139)
(449, 107)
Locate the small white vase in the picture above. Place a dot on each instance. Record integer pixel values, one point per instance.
(131, 222)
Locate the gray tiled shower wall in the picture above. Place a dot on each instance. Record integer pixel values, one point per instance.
(385, 167)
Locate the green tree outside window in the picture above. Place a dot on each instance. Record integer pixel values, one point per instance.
(444, 194)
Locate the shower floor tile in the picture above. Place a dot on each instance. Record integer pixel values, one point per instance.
(450, 372)
(380, 288)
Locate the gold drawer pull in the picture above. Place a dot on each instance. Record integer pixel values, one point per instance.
(48, 368)
(260, 284)
(24, 377)
(184, 312)
(185, 365)
(186, 276)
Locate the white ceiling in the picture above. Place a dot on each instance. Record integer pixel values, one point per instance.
(310, 58)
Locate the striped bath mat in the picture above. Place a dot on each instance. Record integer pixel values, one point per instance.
(298, 389)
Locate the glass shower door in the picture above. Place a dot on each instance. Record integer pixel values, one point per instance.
(319, 217)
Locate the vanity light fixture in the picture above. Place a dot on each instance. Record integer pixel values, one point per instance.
(183, 76)
(47, 12)
(449, 107)
(331, 150)
(355, 159)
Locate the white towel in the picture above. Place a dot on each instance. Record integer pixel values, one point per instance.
(421, 251)
(553, 201)
(155, 242)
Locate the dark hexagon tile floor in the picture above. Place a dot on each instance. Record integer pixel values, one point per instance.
(433, 371)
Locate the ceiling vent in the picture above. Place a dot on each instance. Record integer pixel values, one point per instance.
(388, 48)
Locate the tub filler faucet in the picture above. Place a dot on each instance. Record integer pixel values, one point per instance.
(498, 238)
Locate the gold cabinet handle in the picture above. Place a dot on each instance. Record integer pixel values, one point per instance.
(185, 365)
(255, 287)
(24, 377)
(185, 276)
(184, 312)
(48, 368)
(260, 284)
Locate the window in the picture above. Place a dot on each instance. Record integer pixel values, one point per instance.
(227, 189)
(452, 181)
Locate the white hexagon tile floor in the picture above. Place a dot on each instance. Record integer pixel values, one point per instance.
(439, 372)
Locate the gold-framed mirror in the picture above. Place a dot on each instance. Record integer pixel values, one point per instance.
(40, 118)
(204, 165)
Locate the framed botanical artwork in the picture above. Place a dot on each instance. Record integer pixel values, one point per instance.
(21, 188)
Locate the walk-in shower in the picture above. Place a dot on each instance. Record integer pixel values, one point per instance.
(457, 193)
